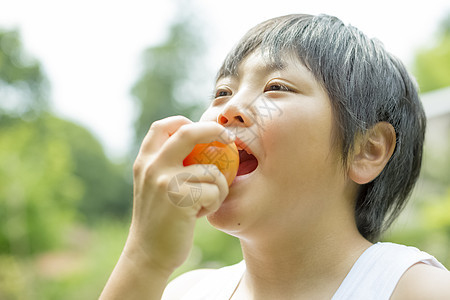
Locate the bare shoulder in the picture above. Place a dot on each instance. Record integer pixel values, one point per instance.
(423, 281)
(180, 285)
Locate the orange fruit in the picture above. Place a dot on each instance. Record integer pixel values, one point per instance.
(224, 156)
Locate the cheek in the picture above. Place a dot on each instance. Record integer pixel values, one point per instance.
(299, 147)
(302, 133)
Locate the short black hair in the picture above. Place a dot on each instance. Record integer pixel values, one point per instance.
(366, 85)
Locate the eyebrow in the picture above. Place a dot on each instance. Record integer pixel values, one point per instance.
(271, 66)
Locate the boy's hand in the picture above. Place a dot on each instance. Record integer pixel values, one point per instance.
(162, 227)
(168, 198)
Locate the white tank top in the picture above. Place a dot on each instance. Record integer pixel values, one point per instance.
(373, 276)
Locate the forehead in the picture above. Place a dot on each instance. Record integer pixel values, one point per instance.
(260, 63)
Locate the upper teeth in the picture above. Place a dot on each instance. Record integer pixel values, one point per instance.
(240, 148)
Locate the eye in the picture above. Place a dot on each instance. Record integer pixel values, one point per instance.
(276, 87)
(222, 92)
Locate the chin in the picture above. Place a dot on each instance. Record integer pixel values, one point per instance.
(225, 221)
(237, 215)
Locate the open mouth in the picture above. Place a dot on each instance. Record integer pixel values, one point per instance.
(247, 163)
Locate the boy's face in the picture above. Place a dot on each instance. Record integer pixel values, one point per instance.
(285, 119)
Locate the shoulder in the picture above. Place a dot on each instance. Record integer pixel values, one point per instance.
(422, 281)
(181, 284)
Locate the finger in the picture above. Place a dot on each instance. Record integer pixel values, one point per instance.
(187, 136)
(210, 202)
(160, 131)
(209, 174)
(185, 193)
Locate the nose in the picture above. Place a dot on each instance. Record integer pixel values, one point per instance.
(233, 115)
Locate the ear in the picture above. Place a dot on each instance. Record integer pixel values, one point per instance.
(372, 152)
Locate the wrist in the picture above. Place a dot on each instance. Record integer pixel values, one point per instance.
(135, 278)
(144, 260)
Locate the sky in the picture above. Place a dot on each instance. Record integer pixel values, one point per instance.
(91, 49)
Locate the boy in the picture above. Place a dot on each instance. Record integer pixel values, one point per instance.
(332, 130)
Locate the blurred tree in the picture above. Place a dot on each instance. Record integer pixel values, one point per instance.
(38, 189)
(432, 64)
(53, 173)
(107, 191)
(170, 78)
(55, 179)
(426, 223)
(23, 86)
(12, 282)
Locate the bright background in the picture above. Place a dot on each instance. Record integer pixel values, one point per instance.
(91, 49)
(112, 68)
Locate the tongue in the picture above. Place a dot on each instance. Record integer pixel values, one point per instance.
(248, 163)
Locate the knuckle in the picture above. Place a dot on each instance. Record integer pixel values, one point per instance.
(180, 118)
(156, 125)
(162, 181)
(159, 124)
(150, 170)
(146, 169)
(137, 167)
(185, 133)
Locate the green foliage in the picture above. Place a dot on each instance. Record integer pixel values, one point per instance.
(434, 168)
(23, 86)
(436, 213)
(54, 176)
(12, 280)
(162, 91)
(38, 188)
(53, 172)
(212, 249)
(107, 191)
(77, 270)
(432, 64)
(46, 191)
(84, 267)
(428, 225)
(217, 248)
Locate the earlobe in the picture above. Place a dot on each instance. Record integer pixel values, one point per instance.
(372, 152)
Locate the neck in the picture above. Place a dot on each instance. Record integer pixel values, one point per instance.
(298, 264)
